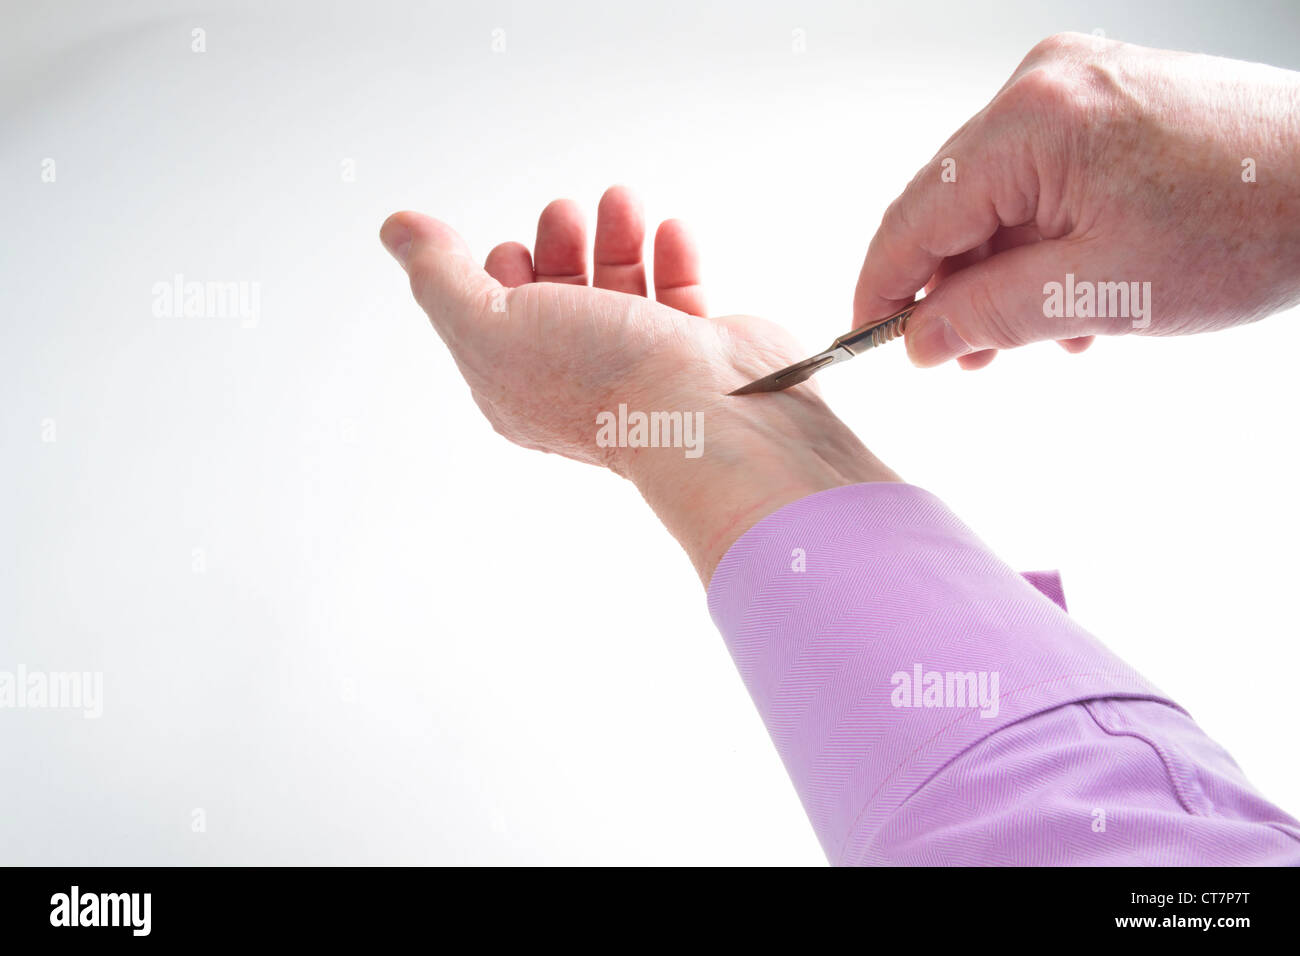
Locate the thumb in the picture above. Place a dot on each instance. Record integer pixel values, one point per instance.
(445, 280)
(998, 303)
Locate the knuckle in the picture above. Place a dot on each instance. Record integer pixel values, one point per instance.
(1061, 96)
(902, 222)
(1073, 80)
(897, 219)
(423, 286)
(1054, 45)
(1047, 87)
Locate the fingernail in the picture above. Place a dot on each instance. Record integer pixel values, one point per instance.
(397, 240)
(934, 343)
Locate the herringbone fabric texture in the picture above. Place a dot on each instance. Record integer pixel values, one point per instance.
(932, 706)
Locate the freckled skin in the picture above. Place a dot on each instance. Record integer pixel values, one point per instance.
(1130, 161)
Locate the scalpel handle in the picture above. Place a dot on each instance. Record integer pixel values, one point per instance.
(877, 333)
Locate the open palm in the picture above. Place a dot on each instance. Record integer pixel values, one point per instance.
(544, 352)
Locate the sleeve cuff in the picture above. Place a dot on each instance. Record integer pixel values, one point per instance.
(879, 639)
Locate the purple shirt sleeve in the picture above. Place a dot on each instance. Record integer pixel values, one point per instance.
(932, 706)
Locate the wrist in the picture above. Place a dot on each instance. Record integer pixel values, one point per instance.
(756, 456)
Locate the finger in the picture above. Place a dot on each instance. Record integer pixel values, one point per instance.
(1001, 302)
(1076, 345)
(1013, 237)
(561, 251)
(977, 360)
(1007, 237)
(934, 219)
(449, 285)
(677, 269)
(511, 264)
(620, 234)
(958, 262)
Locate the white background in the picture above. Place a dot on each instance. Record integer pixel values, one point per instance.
(416, 643)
